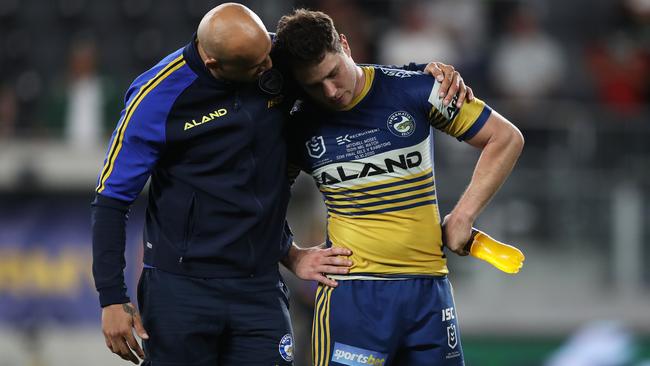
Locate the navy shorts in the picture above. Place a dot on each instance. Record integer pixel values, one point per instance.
(209, 321)
(386, 322)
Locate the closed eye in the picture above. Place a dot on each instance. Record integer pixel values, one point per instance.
(331, 75)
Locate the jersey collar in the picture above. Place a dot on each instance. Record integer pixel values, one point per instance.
(191, 55)
(369, 73)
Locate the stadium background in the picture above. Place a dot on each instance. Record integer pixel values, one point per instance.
(573, 75)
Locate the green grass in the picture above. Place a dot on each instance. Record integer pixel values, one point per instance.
(522, 351)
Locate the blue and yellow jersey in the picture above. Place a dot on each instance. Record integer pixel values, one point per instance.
(373, 164)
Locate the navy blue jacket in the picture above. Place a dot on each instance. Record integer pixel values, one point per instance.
(217, 160)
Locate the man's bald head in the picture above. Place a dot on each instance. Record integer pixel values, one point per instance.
(233, 37)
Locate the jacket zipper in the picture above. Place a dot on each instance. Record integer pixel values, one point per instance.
(259, 204)
(189, 227)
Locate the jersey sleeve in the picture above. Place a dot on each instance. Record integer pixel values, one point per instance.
(134, 147)
(462, 123)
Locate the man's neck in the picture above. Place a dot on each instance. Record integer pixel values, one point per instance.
(361, 81)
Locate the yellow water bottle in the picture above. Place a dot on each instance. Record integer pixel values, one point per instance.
(503, 256)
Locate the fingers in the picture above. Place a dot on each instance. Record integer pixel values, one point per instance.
(337, 261)
(332, 270)
(315, 263)
(445, 220)
(134, 345)
(460, 251)
(470, 94)
(326, 281)
(456, 243)
(121, 349)
(435, 71)
(109, 344)
(462, 92)
(446, 83)
(335, 251)
(454, 85)
(455, 246)
(139, 329)
(453, 237)
(118, 321)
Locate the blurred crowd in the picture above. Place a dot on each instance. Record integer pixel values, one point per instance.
(64, 64)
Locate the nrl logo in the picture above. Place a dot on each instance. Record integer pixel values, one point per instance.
(452, 337)
(315, 147)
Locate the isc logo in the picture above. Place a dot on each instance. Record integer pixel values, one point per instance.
(448, 314)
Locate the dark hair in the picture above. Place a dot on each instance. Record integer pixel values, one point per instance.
(305, 36)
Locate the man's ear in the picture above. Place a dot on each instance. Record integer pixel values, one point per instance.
(212, 64)
(344, 44)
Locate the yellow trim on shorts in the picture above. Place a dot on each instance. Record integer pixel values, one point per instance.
(320, 332)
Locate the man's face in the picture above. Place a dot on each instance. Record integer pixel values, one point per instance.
(332, 82)
(247, 68)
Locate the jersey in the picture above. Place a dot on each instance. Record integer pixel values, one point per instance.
(373, 164)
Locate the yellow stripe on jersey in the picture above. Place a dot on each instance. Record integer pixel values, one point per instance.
(414, 189)
(116, 146)
(424, 198)
(392, 225)
(369, 73)
(421, 184)
(385, 195)
(349, 190)
(406, 242)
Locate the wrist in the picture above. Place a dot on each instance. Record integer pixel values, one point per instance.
(462, 216)
(293, 254)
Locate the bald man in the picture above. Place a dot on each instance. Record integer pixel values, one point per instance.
(205, 124)
(233, 43)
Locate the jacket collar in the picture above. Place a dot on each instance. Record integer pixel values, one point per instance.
(193, 59)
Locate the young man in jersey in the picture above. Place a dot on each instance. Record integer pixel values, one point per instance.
(364, 136)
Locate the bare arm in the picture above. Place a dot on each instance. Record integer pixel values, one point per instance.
(501, 144)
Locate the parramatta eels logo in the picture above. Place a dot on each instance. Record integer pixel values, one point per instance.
(286, 347)
(315, 147)
(401, 124)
